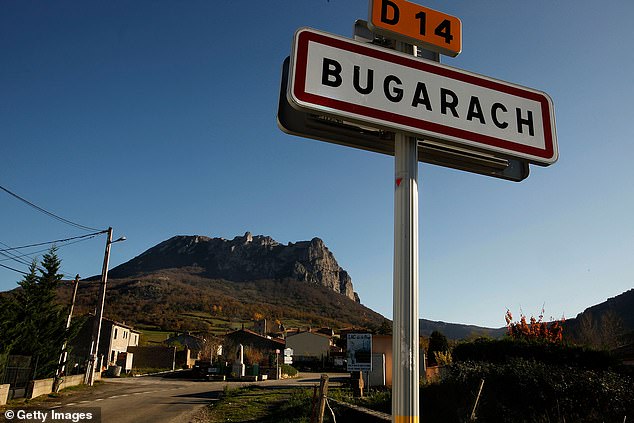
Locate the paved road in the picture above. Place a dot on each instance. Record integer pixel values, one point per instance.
(159, 399)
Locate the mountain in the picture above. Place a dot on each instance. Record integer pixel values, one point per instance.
(608, 324)
(245, 258)
(178, 283)
(457, 331)
(622, 305)
(197, 283)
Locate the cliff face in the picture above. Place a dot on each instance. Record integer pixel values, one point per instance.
(244, 258)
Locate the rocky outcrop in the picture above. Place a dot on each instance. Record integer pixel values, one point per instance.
(244, 258)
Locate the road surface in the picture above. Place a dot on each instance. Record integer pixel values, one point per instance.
(157, 399)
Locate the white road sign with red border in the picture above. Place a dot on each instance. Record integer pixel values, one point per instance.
(372, 85)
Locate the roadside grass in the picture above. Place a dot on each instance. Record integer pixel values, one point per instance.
(254, 404)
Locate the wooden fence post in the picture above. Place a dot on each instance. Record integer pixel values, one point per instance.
(472, 418)
(323, 392)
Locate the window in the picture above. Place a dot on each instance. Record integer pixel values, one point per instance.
(112, 355)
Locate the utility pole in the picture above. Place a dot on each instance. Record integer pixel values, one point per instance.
(64, 354)
(92, 365)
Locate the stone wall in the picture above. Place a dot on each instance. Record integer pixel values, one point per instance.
(39, 387)
(45, 386)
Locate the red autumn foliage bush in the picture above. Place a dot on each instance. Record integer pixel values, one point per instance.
(534, 329)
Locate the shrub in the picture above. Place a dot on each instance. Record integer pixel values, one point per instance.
(529, 381)
(523, 390)
(443, 358)
(289, 370)
(437, 343)
(534, 329)
(502, 350)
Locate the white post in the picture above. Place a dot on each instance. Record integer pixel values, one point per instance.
(92, 367)
(405, 339)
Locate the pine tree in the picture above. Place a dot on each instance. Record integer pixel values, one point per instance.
(8, 329)
(39, 321)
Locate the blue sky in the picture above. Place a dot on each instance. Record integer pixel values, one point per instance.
(158, 118)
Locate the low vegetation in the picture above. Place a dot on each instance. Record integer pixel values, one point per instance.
(253, 404)
(524, 382)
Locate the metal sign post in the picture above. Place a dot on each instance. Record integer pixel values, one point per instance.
(362, 94)
(405, 389)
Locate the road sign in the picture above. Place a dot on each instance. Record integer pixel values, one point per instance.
(359, 82)
(310, 125)
(418, 25)
(359, 352)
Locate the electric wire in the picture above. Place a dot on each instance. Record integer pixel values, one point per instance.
(87, 236)
(20, 258)
(15, 270)
(46, 212)
(14, 257)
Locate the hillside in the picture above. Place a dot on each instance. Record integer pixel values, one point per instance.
(458, 331)
(177, 300)
(186, 282)
(194, 282)
(607, 324)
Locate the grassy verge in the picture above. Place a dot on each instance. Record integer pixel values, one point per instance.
(253, 404)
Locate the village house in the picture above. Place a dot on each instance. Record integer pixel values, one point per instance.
(309, 348)
(115, 338)
(255, 341)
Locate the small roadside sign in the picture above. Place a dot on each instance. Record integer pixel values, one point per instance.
(418, 25)
(363, 83)
(359, 352)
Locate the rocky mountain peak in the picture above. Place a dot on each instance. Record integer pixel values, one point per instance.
(244, 258)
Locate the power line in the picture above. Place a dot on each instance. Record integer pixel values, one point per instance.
(46, 212)
(11, 268)
(19, 258)
(92, 235)
(15, 257)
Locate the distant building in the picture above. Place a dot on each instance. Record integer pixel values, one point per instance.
(309, 347)
(115, 338)
(191, 342)
(248, 338)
